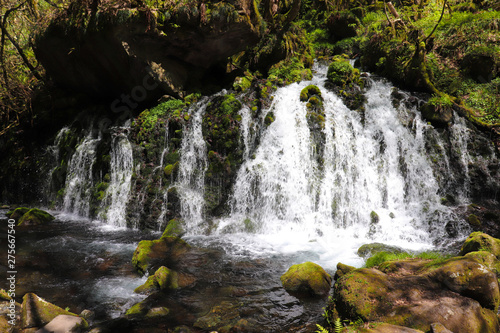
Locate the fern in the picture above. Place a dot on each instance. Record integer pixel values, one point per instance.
(321, 329)
(337, 325)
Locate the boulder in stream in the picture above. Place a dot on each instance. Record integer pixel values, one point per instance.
(37, 312)
(17, 213)
(163, 279)
(152, 254)
(307, 279)
(35, 216)
(65, 324)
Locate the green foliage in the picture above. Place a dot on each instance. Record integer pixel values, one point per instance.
(289, 71)
(340, 72)
(148, 119)
(382, 257)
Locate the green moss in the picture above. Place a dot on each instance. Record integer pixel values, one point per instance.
(250, 226)
(163, 279)
(173, 228)
(138, 309)
(479, 241)
(340, 72)
(269, 119)
(17, 213)
(35, 216)
(307, 278)
(170, 169)
(435, 258)
(474, 220)
(309, 92)
(151, 254)
(45, 311)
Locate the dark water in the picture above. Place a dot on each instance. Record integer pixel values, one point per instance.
(82, 264)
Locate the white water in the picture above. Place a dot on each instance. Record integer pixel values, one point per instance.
(164, 209)
(79, 182)
(297, 206)
(192, 166)
(117, 194)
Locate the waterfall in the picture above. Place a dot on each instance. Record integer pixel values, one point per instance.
(192, 167)
(373, 180)
(121, 175)
(460, 138)
(79, 179)
(164, 208)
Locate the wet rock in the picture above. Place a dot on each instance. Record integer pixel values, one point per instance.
(166, 251)
(65, 324)
(368, 250)
(307, 279)
(35, 216)
(417, 293)
(17, 213)
(218, 316)
(342, 270)
(388, 328)
(487, 259)
(163, 279)
(439, 328)
(37, 312)
(479, 241)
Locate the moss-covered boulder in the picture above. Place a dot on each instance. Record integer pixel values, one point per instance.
(152, 254)
(37, 312)
(17, 213)
(307, 279)
(487, 259)
(341, 73)
(163, 279)
(35, 216)
(416, 293)
(342, 270)
(479, 241)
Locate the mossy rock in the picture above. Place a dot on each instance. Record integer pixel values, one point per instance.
(37, 312)
(308, 92)
(173, 228)
(341, 73)
(342, 270)
(307, 279)
(368, 250)
(486, 258)
(4, 295)
(35, 216)
(152, 254)
(17, 213)
(417, 293)
(163, 279)
(438, 111)
(479, 241)
(474, 221)
(170, 169)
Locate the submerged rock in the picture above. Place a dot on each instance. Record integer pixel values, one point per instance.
(35, 216)
(307, 279)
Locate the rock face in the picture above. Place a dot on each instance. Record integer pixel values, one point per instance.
(460, 293)
(307, 279)
(145, 52)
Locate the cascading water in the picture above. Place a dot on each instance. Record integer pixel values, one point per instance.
(79, 183)
(164, 208)
(192, 167)
(117, 194)
(371, 181)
